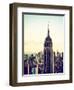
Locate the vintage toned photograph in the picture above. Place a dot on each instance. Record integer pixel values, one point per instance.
(40, 44)
(43, 43)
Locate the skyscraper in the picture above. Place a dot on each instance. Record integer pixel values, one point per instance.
(48, 54)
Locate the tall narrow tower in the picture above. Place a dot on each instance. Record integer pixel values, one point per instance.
(48, 54)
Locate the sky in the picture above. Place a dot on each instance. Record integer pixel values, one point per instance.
(35, 32)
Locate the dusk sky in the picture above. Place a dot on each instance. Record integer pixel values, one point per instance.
(35, 32)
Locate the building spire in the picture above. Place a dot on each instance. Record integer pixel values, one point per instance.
(48, 29)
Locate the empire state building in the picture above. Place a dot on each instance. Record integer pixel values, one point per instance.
(48, 54)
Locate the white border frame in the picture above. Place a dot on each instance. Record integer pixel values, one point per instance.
(51, 77)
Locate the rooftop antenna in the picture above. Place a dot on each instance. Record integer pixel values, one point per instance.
(48, 28)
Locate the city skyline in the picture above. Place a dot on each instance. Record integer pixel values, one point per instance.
(46, 62)
(35, 31)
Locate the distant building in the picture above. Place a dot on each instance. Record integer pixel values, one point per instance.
(58, 62)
